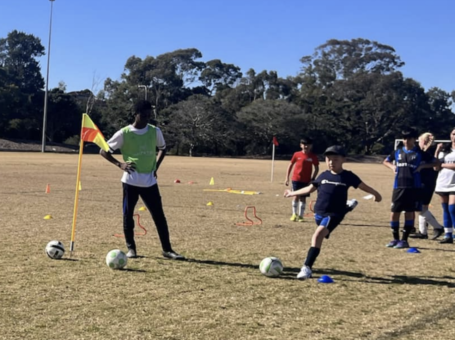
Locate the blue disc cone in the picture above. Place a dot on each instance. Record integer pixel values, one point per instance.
(413, 250)
(325, 279)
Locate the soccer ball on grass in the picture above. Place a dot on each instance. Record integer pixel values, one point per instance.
(271, 267)
(116, 259)
(55, 250)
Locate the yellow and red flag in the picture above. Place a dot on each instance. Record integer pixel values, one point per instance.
(91, 133)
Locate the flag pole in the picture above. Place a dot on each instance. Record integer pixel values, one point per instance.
(76, 195)
(273, 160)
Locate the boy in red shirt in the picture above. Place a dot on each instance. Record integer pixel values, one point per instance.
(303, 163)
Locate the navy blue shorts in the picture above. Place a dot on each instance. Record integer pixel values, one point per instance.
(407, 200)
(328, 222)
(299, 185)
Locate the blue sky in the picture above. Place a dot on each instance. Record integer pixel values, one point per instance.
(92, 39)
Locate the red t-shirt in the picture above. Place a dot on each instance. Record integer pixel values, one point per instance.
(303, 166)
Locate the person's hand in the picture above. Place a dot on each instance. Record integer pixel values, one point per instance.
(287, 193)
(377, 197)
(156, 174)
(394, 168)
(286, 183)
(128, 167)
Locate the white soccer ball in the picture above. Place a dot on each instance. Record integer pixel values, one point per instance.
(271, 267)
(55, 250)
(116, 259)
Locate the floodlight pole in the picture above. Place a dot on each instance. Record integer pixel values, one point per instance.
(145, 90)
(43, 144)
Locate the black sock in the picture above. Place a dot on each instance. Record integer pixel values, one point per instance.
(406, 232)
(313, 253)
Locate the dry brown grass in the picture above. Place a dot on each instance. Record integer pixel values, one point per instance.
(379, 293)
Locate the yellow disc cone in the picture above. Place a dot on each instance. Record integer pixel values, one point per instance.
(210, 203)
(47, 217)
(142, 209)
(212, 181)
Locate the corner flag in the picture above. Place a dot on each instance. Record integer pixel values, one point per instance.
(275, 141)
(91, 133)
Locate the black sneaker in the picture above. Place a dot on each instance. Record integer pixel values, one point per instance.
(173, 255)
(419, 236)
(447, 240)
(437, 233)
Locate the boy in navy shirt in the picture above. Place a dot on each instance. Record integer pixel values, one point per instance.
(407, 187)
(330, 208)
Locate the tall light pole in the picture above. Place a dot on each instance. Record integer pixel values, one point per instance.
(43, 144)
(145, 90)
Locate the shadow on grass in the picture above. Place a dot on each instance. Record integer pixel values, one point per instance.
(133, 270)
(438, 249)
(348, 224)
(394, 279)
(68, 259)
(289, 273)
(283, 276)
(220, 263)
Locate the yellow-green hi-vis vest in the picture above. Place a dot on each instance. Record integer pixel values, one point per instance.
(140, 149)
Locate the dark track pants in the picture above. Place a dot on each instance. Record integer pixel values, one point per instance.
(152, 200)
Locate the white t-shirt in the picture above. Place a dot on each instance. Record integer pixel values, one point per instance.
(446, 177)
(134, 178)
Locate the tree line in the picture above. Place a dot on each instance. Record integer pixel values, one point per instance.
(348, 92)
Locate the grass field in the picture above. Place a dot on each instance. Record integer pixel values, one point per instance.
(379, 293)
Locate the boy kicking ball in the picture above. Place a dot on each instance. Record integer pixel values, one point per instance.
(330, 207)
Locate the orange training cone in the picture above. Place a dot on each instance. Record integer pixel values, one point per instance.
(48, 189)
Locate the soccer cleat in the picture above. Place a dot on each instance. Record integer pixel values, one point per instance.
(402, 245)
(351, 204)
(173, 255)
(131, 254)
(436, 233)
(446, 240)
(392, 243)
(419, 236)
(300, 219)
(305, 273)
(293, 218)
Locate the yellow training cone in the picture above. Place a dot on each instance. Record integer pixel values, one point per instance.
(210, 203)
(47, 217)
(142, 209)
(212, 181)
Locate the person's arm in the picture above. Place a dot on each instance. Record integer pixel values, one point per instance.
(439, 148)
(288, 173)
(159, 158)
(435, 164)
(161, 145)
(377, 196)
(390, 165)
(304, 191)
(315, 173)
(450, 166)
(128, 167)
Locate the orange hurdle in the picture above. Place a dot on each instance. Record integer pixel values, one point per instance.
(250, 221)
(139, 224)
(311, 209)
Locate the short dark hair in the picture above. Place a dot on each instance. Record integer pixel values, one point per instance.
(140, 106)
(409, 132)
(306, 140)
